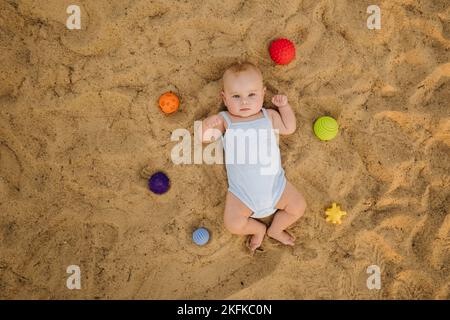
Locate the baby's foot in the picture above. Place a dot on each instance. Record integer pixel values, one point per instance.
(282, 236)
(254, 242)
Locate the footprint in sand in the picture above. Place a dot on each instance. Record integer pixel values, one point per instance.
(392, 244)
(425, 89)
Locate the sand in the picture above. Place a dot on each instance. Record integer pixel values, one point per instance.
(81, 131)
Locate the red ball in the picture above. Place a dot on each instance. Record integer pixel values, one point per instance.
(282, 51)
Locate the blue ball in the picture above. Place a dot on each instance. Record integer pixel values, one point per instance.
(200, 236)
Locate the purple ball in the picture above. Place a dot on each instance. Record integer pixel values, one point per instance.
(159, 183)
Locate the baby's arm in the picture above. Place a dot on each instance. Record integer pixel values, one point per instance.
(285, 120)
(213, 122)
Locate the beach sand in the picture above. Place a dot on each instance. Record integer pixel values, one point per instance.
(81, 131)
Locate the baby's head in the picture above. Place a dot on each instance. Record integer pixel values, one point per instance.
(243, 89)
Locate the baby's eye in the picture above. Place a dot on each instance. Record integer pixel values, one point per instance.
(251, 95)
(236, 96)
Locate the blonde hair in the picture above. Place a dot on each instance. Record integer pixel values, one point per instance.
(242, 66)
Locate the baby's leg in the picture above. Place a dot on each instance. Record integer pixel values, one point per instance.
(293, 206)
(237, 220)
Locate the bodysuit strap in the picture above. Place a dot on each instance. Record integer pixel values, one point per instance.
(265, 113)
(226, 117)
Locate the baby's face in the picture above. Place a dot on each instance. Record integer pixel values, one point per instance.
(243, 93)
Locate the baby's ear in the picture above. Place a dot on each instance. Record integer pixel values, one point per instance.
(222, 94)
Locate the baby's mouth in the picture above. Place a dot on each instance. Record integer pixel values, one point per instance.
(245, 109)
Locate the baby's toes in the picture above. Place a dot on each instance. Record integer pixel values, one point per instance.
(290, 239)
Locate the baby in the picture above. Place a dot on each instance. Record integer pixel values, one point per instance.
(254, 193)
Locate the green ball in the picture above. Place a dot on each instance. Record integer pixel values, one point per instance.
(326, 128)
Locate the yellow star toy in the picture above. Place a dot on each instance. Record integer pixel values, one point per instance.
(334, 214)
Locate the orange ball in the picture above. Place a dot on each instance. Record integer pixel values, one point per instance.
(169, 102)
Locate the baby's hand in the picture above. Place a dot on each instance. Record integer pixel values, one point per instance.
(280, 100)
(212, 128)
(212, 122)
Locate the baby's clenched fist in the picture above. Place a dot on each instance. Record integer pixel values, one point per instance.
(212, 122)
(280, 100)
